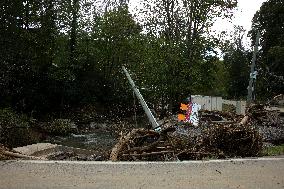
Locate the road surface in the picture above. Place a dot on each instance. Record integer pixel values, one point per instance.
(267, 173)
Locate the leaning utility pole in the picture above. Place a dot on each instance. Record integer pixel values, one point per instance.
(252, 71)
(149, 114)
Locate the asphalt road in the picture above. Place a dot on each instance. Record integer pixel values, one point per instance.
(249, 173)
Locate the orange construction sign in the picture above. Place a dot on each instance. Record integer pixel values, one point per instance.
(181, 117)
(183, 106)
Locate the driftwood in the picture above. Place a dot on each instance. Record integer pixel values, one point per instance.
(142, 143)
(17, 155)
(233, 140)
(244, 120)
(218, 141)
(121, 144)
(233, 136)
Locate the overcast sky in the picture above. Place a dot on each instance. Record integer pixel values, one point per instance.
(243, 16)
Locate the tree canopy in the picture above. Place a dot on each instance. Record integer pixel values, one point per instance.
(58, 55)
(269, 21)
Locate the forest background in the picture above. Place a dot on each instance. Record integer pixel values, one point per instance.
(61, 57)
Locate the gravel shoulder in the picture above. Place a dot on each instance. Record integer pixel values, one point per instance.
(238, 173)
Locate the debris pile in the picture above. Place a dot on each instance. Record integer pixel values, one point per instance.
(233, 140)
(73, 156)
(269, 123)
(217, 116)
(144, 145)
(218, 135)
(264, 117)
(219, 141)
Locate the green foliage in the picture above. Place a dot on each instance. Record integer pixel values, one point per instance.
(273, 151)
(60, 127)
(14, 129)
(179, 47)
(269, 20)
(221, 81)
(237, 62)
(61, 55)
(237, 66)
(115, 32)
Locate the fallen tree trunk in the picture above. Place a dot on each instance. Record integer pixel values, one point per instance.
(17, 155)
(121, 144)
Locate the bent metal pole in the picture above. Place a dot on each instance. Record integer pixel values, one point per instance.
(149, 114)
(251, 89)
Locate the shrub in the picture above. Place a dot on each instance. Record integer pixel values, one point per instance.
(14, 129)
(60, 127)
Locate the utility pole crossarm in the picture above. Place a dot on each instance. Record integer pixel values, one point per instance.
(149, 114)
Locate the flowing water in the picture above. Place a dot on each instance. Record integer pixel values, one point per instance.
(93, 140)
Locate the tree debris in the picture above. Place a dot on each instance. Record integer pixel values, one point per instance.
(219, 135)
(8, 154)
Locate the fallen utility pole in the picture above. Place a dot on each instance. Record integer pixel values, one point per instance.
(149, 114)
(252, 71)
